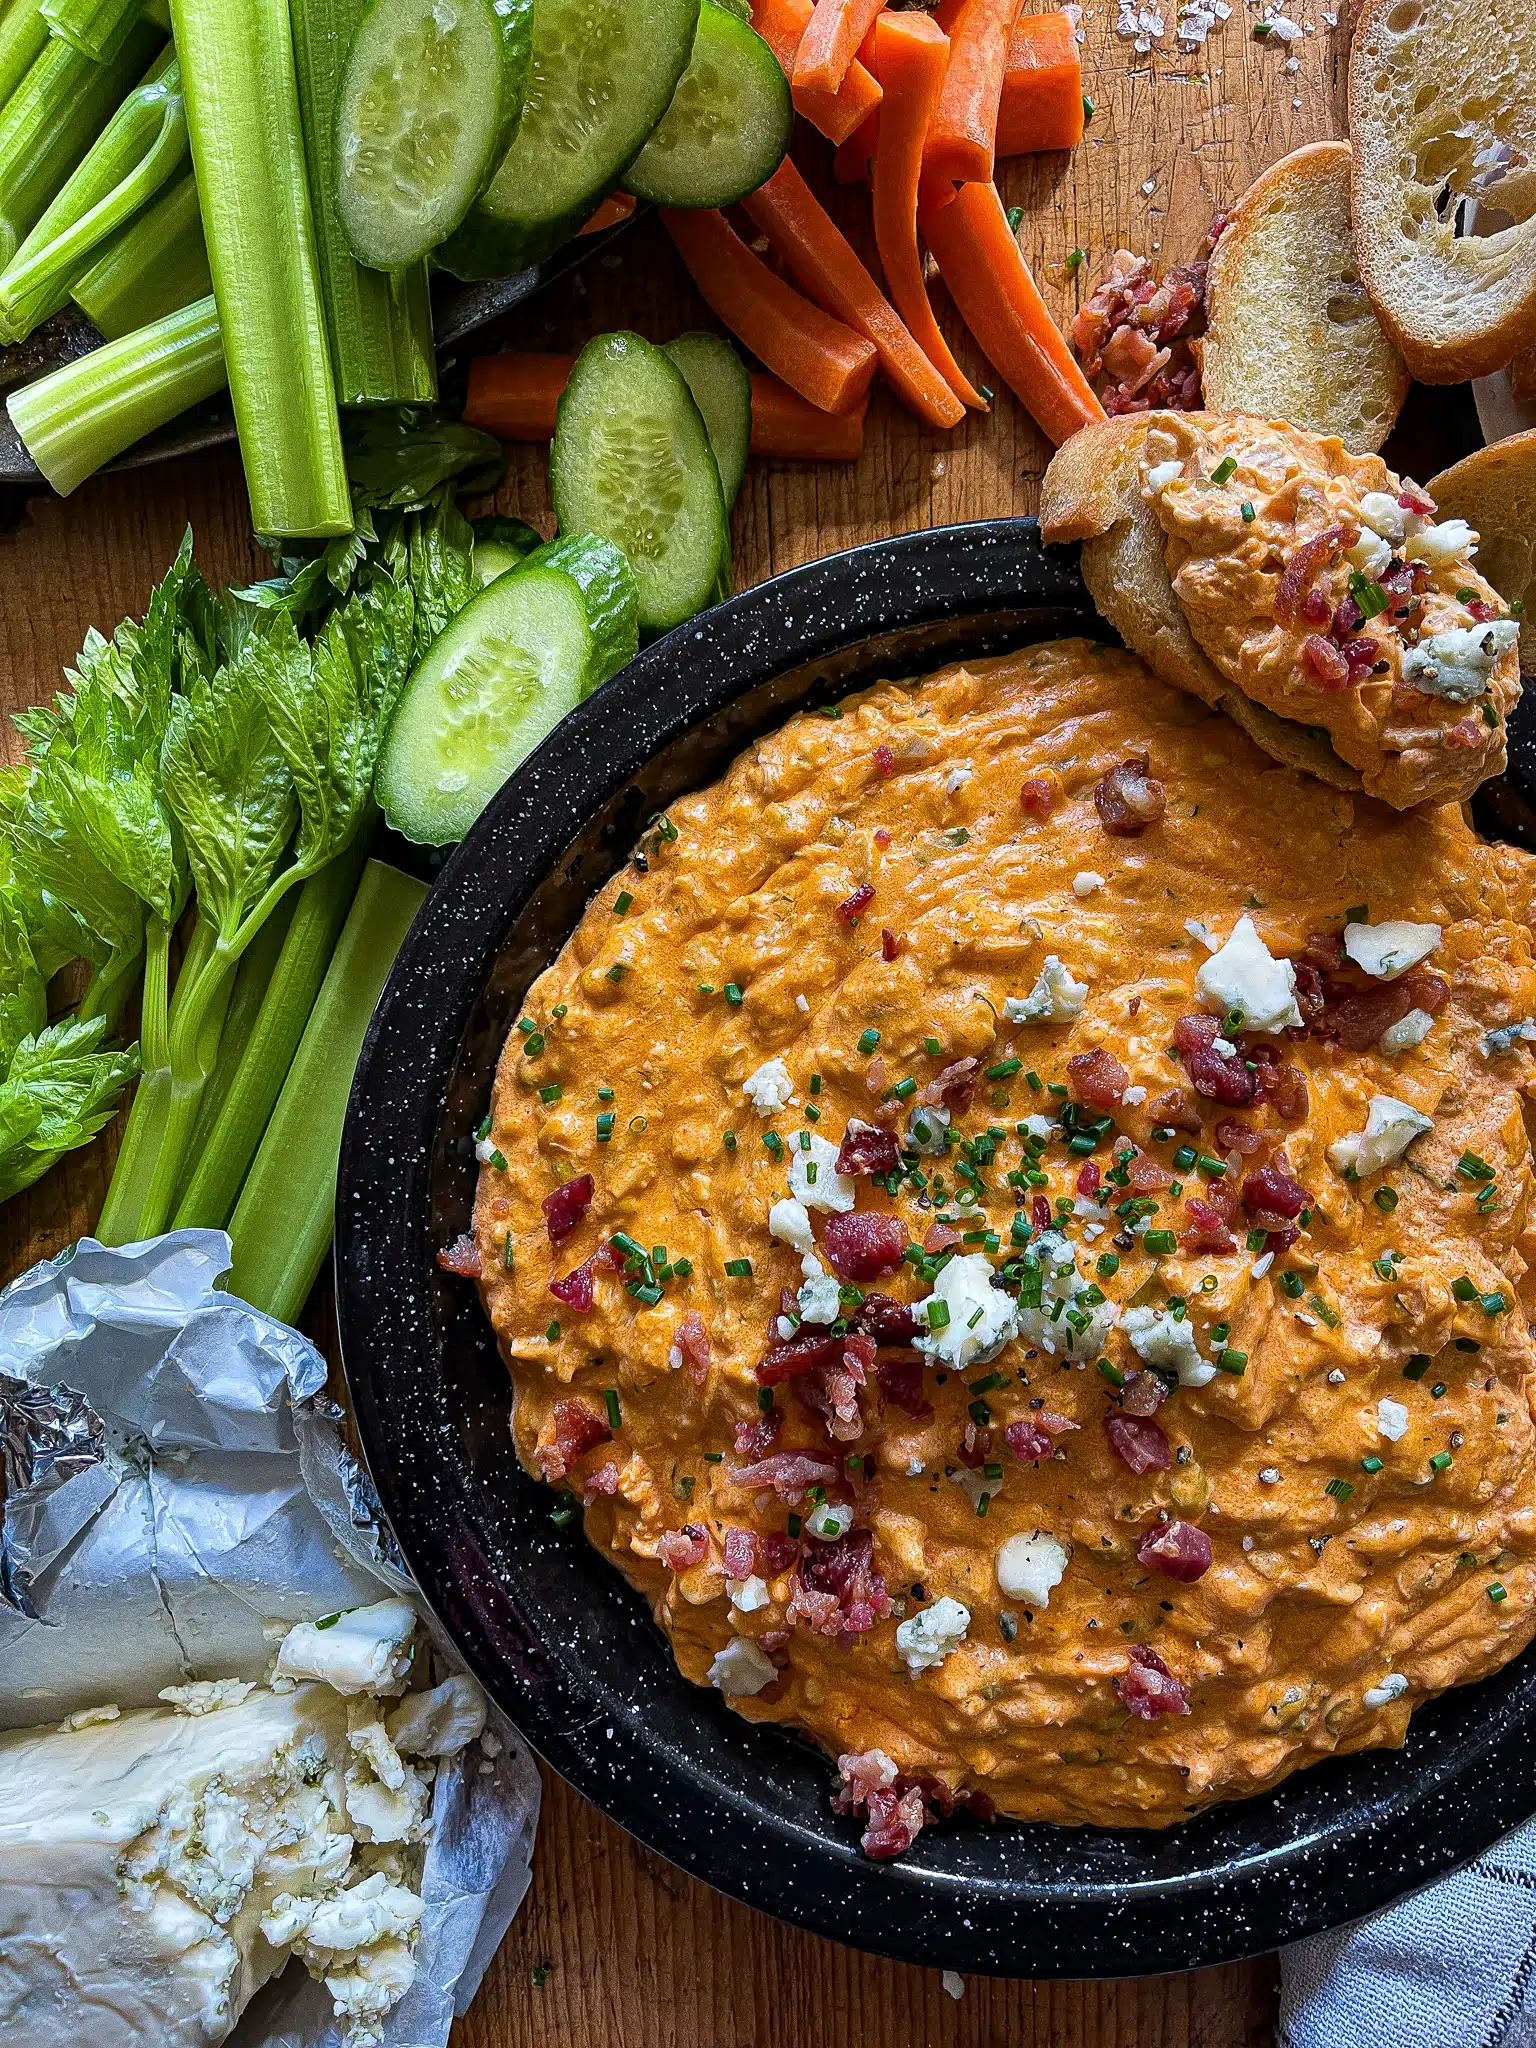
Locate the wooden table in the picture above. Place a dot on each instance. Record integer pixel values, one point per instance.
(614, 1947)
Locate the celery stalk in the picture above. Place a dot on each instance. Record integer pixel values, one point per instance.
(96, 28)
(51, 120)
(380, 325)
(143, 144)
(248, 153)
(78, 418)
(253, 980)
(283, 1221)
(155, 265)
(243, 1102)
(23, 38)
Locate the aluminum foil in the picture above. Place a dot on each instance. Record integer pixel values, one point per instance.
(177, 1496)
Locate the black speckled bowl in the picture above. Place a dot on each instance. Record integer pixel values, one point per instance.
(550, 1628)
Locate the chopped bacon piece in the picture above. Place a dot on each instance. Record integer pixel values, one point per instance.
(1233, 1135)
(853, 907)
(802, 1353)
(1128, 799)
(1143, 1393)
(1412, 499)
(1324, 951)
(1088, 1178)
(461, 1257)
(1207, 1229)
(885, 760)
(841, 1573)
(738, 1553)
(831, 1389)
(895, 1820)
(890, 943)
(1040, 1213)
(1144, 1176)
(866, 1148)
(1304, 563)
(882, 840)
(1028, 1440)
(1272, 1196)
(790, 1474)
(1134, 330)
(1222, 1077)
(1097, 1077)
(1465, 734)
(1482, 611)
(953, 1088)
(564, 1209)
(605, 1480)
(681, 1549)
(1357, 1018)
(756, 1438)
(863, 1244)
(576, 1289)
(690, 1347)
(1176, 1549)
(1149, 1688)
(578, 1429)
(1284, 1088)
(975, 1447)
(1138, 1442)
(776, 1551)
(1324, 663)
(938, 1237)
(861, 1772)
(1347, 619)
(1317, 610)
(1037, 796)
(1177, 1109)
(885, 1319)
(1360, 657)
(900, 1375)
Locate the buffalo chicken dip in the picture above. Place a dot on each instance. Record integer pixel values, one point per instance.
(1011, 1216)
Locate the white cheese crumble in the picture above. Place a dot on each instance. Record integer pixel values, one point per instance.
(1381, 512)
(1029, 1566)
(1162, 474)
(1441, 543)
(791, 1225)
(1245, 976)
(487, 1150)
(1060, 1286)
(747, 1595)
(741, 1668)
(1370, 554)
(1389, 949)
(770, 1088)
(829, 1520)
(1390, 1128)
(207, 1695)
(1133, 1098)
(958, 777)
(1391, 1419)
(830, 1189)
(981, 1316)
(1087, 882)
(1406, 1033)
(89, 1717)
(1163, 1340)
(1199, 929)
(368, 1649)
(1055, 998)
(1456, 664)
(928, 1130)
(1391, 1688)
(1505, 1037)
(818, 1295)
(926, 1638)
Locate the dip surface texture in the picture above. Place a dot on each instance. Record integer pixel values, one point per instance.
(1203, 1453)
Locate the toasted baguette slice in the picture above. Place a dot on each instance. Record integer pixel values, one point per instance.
(1428, 81)
(1522, 379)
(1093, 494)
(1495, 491)
(1292, 334)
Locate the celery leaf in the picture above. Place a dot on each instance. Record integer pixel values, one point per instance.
(23, 994)
(59, 1091)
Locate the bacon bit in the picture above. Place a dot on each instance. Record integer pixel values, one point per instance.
(1040, 1213)
(756, 1438)
(1097, 1077)
(1317, 609)
(1347, 619)
(578, 1429)
(853, 907)
(874, 1078)
(1143, 1393)
(1465, 734)
(1412, 499)
(1356, 1018)
(862, 1244)
(776, 1552)
(1324, 951)
(1272, 1196)
(975, 1446)
(1303, 564)
(1176, 1549)
(1088, 1178)
(1222, 1077)
(1482, 611)
(885, 1319)
(690, 1346)
(1138, 1442)
(867, 1149)
(900, 1377)
(895, 1821)
(738, 1553)
(1233, 1135)
(564, 1209)
(791, 1474)
(1177, 1109)
(681, 1549)
(885, 760)
(1149, 1688)
(1037, 796)
(1133, 333)
(831, 1390)
(1128, 799)
(882, 840)
(604, 1481)
(842, 1574)
(1028, 1440)
(890, 944)
(862, 1772)
(953, 1088)
(938, 1237)
(462, 1257)
(1143, 1175)
(801, 1353)
(1322, 660)
(1207, 1228)
(576, 1289)
(1284, 1088)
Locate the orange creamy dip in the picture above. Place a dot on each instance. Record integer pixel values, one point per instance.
(1359, 1465)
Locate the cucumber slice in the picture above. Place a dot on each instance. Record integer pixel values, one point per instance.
(612, 595)
(430, 98)
(727, 129)
(500, 544)
(502, 676)
(602, 75)
(493, 558)
(631, 461)
(722, 390)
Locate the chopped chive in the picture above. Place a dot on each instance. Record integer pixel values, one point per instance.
(1341, 1489)
(1075, 260)
(1385, 1200)
(498, 1159)
(621, 902)
(553, 1332)
(774, 1143)
(1184, 1158)
(730, 1141)
(1496, 1593)
(683, 1268)
(733, 995)
(1234, 1362)
(1089, 109)
(1249, 515)
(987, 1382)
(904, 1089)
(765, 1399)
(483, 1128)
(1033, 1079)
(1293, 1284)
(605, 1128)
(938, 1315)
(1417, 1366)
(1373, 601)
(525, 1025)
(562, 1517)
(932, 1047)
(1213, 1169)
(611, 1403)
(506, 1254)
(1111, 1372)
(605, 1095)
(1493, 1304)
(534, 1046)
(1160, 1242)
(868, 1039)
(1106, 1264)
(1324, 1313)
(1224, 469)
(1015, 215)
(1004, 1070)
(739, 1269)
(1463, 1288)
(1441, 1461)
(1256, 1240)
(552, 1093)
(706, 988)
(1370, 1464)
(615, 973)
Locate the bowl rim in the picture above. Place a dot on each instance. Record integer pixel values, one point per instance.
(1359, 1832)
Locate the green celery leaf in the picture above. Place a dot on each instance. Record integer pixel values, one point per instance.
(230, 788)
(60, 1090)
(23, 993)
(406, 457)
(440, 568)
(56, 935)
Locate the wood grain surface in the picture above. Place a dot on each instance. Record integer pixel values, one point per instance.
(615, 1949)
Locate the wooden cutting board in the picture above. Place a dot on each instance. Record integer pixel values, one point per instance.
(614, 1948)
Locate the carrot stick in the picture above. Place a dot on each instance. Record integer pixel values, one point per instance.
(819, 357)
(851, 165)
(989, 281)
(1042, 103)
(831, 43)
(913, 52)
(517, 398)
(962, 139)
(781, 24)
(828, 266)
(784, 425)
(616, 207)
